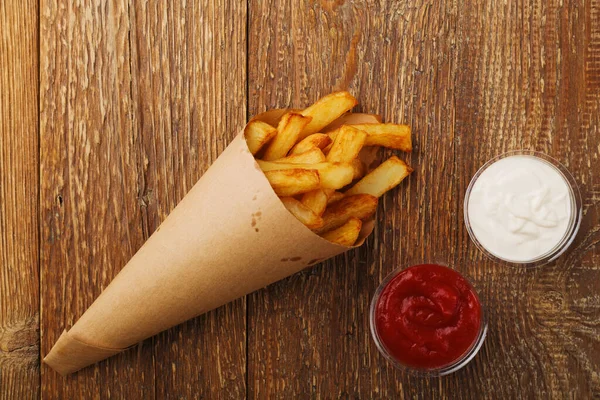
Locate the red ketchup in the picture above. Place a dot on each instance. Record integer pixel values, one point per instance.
(427, 316)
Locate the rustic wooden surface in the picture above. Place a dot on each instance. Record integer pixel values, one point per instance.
(19, 202)
(111, 110)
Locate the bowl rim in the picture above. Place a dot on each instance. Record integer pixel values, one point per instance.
(574, 222)
(460, 362)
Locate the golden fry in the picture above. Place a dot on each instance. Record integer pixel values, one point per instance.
(316, 200)
(272, 117)
(302, 213)
(334, 196)
(347, 119)
(311, 156)
(383, 178)
(359, 168)
(316, 140)
(359, 206)
(347, 144)
(257, 134)
(326, 110)
(291, 182)
(288, 131)
(393, 136)
(332, 176)
(346, 234)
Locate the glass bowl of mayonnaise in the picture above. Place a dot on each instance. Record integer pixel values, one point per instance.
(523, 207)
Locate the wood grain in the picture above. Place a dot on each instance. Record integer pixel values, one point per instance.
(531, 80)
(90, 218)
(19, 184)
(189, 86)
(137, 98)
(171, 85)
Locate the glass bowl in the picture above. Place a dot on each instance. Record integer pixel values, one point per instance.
(457, 364)
(573, 223)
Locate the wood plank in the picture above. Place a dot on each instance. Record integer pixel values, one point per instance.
(138, 98)
(19, 185)
(530, 79)
(91, 180)
(309, 335)
(189, 82)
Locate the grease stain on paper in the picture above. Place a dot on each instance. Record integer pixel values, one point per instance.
(255, 218)
(291, 259)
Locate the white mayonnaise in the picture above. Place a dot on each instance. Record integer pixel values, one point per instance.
(520, 208)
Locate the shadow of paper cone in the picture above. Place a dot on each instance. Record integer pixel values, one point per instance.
(228, 237)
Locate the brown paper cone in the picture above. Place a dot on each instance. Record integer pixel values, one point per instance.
(228, 237)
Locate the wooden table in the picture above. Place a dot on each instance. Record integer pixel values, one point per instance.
(111, 110)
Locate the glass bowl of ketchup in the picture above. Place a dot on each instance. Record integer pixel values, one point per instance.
(427, 320)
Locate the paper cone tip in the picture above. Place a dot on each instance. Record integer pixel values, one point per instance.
(69, 354)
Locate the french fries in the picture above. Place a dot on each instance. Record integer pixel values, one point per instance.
(343, 120)
(385, 177)
(291, 182)
(316, 200)
(332, 176)
(316, 140)
(302, 213)
(392, 136)
(359, 168)
(314, 154)
(346, 234)
(334, 196)
(257, 134)
(347, 144)
(359, 206)
(326, 110)
(288, 131)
